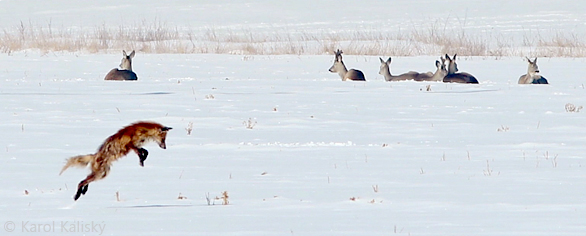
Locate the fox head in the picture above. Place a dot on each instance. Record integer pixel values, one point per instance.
(142, 132)
(162, 135)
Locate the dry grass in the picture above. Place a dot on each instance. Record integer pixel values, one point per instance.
(158, 37)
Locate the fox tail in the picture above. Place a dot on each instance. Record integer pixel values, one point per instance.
(78, 161)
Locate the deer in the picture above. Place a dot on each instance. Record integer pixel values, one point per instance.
(439, 74)
(454, 77)
(532, 76)
(385, 70)
(345, 74)
(125, 72)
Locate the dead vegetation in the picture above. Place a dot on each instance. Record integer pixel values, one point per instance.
(572, 108)
(223, 198)
(437, 38)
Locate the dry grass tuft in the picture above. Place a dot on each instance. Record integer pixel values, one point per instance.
(572, 108)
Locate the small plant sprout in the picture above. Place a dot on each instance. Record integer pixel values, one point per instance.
(181, 197)
(208, 199)
(488, 171)
(225, 198)
(397, 231)
(250, 123)
(212, 201)
(189, 128)
(210, 97)
(375, 188)
(572, 108)
(503, 129)
(118, 196)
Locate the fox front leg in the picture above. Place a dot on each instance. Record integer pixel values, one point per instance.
(142, 155)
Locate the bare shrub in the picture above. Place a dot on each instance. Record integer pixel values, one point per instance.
(224, 198)
(250, 123)
(503, 129)
(212, 201)
(189, 128)
(572, 108)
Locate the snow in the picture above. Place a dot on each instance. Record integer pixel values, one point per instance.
(320, 156)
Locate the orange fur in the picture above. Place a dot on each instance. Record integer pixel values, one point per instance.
(129, 138)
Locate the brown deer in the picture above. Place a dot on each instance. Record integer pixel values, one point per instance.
(439, 74)
(385, 70)
(454, 77)
(345, 74)
(126, 69)
(532, 76)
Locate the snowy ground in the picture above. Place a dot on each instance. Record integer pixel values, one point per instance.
(491, 159)
(322, 157)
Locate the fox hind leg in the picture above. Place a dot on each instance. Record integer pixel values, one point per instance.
(81, 189)
(83, 186)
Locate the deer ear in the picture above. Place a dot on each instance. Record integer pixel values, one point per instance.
(131, 54)
(381, 60)
(166, 128)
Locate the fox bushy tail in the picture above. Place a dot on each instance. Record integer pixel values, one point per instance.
(78, 161)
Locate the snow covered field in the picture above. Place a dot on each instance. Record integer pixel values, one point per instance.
(297, 151)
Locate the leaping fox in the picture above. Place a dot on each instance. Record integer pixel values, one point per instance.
(129, 138)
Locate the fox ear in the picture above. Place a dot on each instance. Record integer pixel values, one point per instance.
(166, 128)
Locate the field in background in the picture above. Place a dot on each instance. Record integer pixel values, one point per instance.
(289, 147)
(435, 38)
(537, 28)
(298, 151)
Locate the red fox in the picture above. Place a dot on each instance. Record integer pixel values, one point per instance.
(129, 138)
